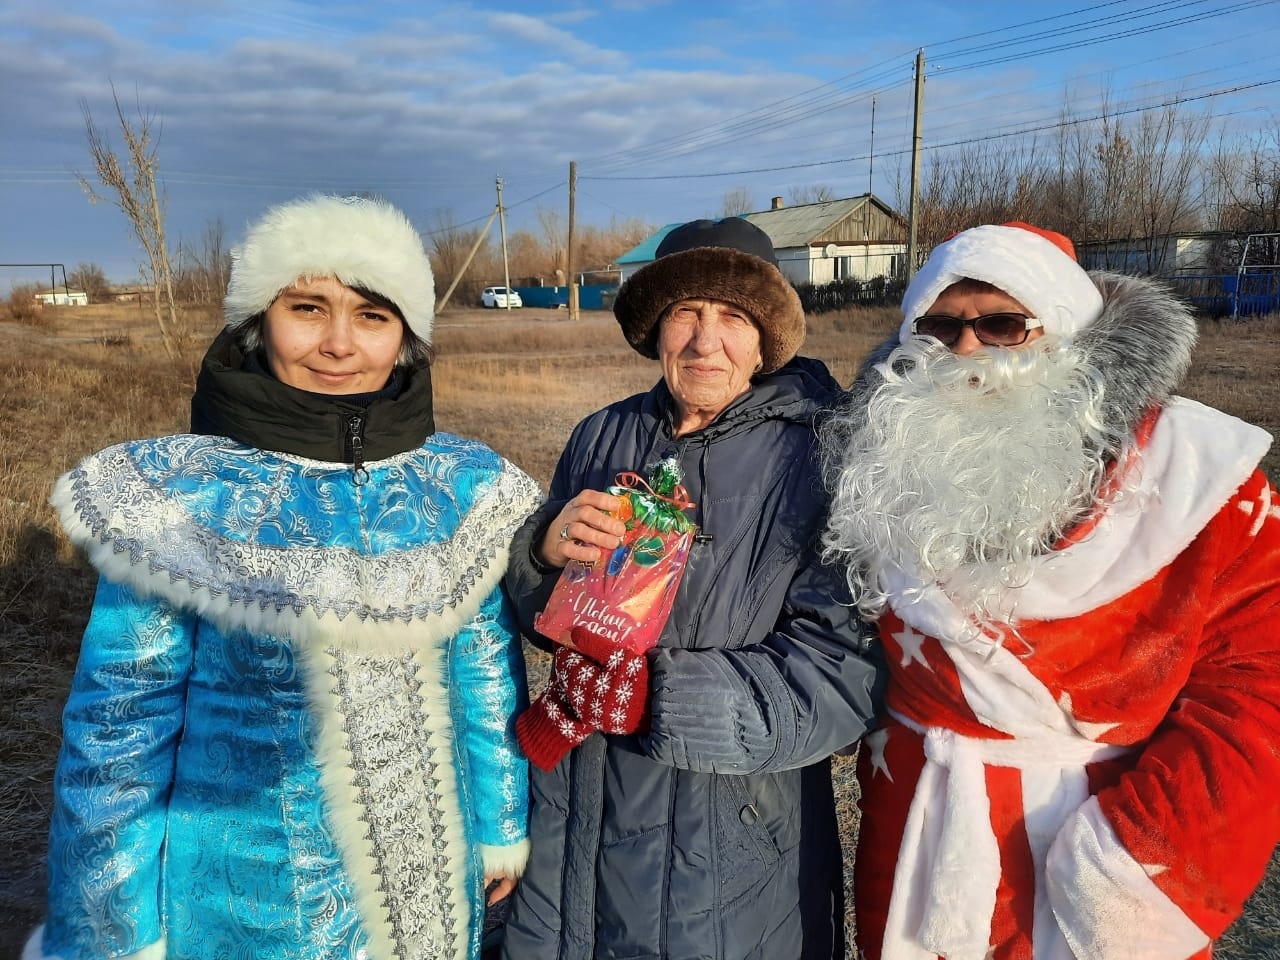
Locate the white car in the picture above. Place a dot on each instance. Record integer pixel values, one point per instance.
(500, 297)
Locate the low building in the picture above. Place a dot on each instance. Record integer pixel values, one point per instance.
(132, 294)
(1166, 255)
(62, 297)
(857, 238)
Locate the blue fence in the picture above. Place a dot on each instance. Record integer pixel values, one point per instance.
(1254, 293)
(1229, 294)
(590, 297)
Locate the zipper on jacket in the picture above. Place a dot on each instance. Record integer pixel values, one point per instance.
(355, 441)
(700, 536)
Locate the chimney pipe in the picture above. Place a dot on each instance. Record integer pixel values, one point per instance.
(775, 203)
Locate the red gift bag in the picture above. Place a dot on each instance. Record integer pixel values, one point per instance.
(628, 596)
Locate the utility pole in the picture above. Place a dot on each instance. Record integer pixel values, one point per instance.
(502, 226)
(866, 209)
(871, 158)
(568, 254)
(457, 277)
(915, 167)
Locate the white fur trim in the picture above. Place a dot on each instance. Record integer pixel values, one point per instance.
(34, 949)
(1105, 901)
(944, 888)
(1025, 265)
(1049, 796)
(362, 242)
(505, 861)
(348, 795)
(1196, 459)
(343, 809)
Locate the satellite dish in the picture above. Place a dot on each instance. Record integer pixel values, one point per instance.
(829, 250)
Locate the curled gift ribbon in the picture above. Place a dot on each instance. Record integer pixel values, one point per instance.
(655, 509)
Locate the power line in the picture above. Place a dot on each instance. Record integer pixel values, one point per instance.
(1122, 35)
(1161, 9)
(954, 143)
(835, 94)
(961, 111)
(509, 206)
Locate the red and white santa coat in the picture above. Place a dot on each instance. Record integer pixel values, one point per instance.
(1106, 784)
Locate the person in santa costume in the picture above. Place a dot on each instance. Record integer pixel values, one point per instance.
(1076, 575)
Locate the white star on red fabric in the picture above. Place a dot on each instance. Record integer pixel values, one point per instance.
(1265, 509)
(876, 742)
(911, 644)
(1092, 731)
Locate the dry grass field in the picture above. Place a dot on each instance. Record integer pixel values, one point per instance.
(84, 378)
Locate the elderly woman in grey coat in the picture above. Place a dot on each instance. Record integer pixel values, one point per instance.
(695, 818)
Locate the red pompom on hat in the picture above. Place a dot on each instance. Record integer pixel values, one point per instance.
(1036, 267)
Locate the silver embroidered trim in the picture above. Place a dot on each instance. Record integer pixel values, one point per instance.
(113, 504)
(407, 793)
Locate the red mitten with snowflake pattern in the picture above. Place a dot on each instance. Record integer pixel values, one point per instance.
(598, 686)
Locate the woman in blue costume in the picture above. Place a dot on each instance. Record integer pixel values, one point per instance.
(290, 732)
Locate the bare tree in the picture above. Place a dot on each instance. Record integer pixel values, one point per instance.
(215, 260)
(90, 278)
(1244, 181)
(450, 245)
(1134, 181)
(1067, 201)
(556, 235)
(813, 193)
(599, 247)
(132, 187)
(1107, 180)
(737, 202)
(1247, 183)
(202, 274)
(526, 258)
(979, 183)
(1164, 197)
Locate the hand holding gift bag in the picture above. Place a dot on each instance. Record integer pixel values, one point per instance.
(593, 686)
(627, 598)
(604, 616)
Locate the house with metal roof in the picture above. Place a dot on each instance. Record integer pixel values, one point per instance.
(855, 238)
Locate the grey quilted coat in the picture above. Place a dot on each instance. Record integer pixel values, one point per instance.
(714, 834)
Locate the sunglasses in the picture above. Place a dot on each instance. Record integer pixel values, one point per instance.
(993, 329)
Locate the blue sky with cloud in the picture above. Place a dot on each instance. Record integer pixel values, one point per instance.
(665, 106)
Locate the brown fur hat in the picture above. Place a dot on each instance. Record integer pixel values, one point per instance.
(730, 260)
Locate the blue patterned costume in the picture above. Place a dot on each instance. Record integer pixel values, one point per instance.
(289, 733)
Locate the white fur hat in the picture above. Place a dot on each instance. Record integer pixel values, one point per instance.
(363, 243)
(1036, 267)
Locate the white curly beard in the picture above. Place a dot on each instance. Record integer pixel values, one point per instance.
(962, 470)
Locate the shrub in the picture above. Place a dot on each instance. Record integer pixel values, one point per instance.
(838, 294)
(23, 307)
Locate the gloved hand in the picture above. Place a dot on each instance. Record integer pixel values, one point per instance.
(598, 686)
